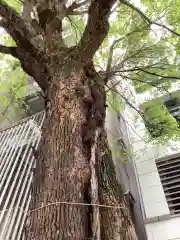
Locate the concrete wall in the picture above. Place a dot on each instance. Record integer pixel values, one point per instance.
(125, 169)
(164, 230)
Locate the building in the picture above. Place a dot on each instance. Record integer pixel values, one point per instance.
(149, 174)
(156, 167)
(124, 164)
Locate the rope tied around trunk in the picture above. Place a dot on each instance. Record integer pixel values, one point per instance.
(69, 203)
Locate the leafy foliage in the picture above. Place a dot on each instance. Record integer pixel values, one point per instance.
(13, 81)
(17, 4)
(13, 86)
(73, 28)
(160, 123)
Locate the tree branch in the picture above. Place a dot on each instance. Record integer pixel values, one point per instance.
(110, 58)
(146, 19)
(116, 70)
(124, 98)
(153, 84)
(148, 72)
(27, 9)
(109, 63)
(133, 55)
(75, 5)
(77, 12)
(77, 8)
(14, 25)
(96, 29)
(159, 75)
(8, 50)
(31, 58)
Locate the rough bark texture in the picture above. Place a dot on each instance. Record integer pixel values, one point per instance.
(75, 111)
(74, 163)
(115, 223)
(64, 171)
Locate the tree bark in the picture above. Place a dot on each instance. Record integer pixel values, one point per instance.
(75, 112)
(63, 170)
(116, 223)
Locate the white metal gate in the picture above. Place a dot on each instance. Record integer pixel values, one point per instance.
(16, 163)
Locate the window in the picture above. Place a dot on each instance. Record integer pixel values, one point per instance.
(169, 172)
(173, 106)
(35, 103)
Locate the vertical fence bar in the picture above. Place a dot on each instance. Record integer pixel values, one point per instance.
(16, 162)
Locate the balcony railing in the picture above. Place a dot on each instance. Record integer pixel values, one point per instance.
(16, 164)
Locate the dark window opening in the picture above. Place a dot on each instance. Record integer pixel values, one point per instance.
(34, 103)
(173, 106)
(172, 102)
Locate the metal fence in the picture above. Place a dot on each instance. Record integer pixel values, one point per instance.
(16, 163)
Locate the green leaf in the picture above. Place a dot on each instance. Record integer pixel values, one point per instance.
(16, 4)
(160, 123)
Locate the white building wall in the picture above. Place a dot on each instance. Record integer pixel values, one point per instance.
(164, 230)
(124, 169)
(160, 225)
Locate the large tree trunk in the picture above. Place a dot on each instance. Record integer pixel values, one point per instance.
(75, 168)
